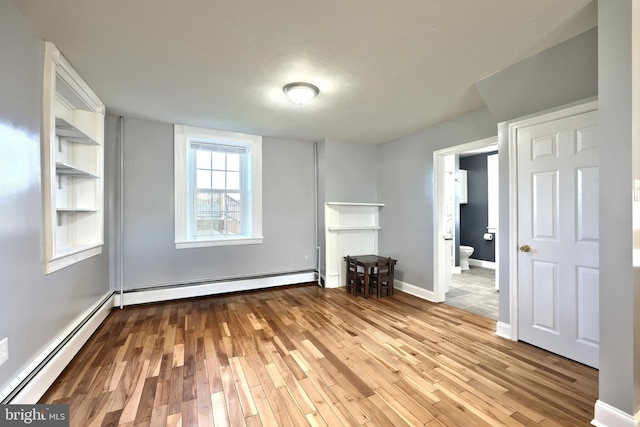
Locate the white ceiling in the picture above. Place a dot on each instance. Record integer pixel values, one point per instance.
(385, 68)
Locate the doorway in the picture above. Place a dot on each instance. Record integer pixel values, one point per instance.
(470, 283)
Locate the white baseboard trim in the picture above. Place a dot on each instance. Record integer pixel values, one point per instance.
(503, 330)
(415, 291)
(606, 415)
(60, 352)
(144, 296)
(482, 263)
(456, 270)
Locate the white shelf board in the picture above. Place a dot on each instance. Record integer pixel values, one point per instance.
(67, 169)
(354, 228)
(70, 255)
(71, 250)
(68, 131)
(354, 204)
(75, 210)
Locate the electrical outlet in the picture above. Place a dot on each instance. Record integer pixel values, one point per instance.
(306, 257)
(4, 350)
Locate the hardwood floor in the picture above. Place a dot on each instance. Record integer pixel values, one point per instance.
(310, 356)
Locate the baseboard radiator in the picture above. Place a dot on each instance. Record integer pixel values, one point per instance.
(212, 287)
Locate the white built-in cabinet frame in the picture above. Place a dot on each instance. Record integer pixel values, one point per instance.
(72, 165)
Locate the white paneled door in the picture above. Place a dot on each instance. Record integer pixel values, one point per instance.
(558, 282)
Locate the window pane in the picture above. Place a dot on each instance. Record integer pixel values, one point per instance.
(203, 159)
(203, 212)
(233, 180)
(232, 214)
(203, 201)
(218, 214)
(233, 162)
(203, 179)
(218, 161)
(219, 180)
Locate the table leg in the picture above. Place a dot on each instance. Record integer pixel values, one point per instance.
(366, 283)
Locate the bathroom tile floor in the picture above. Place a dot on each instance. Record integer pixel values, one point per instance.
(474, 290)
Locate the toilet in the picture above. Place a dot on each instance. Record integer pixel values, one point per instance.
(465, 253)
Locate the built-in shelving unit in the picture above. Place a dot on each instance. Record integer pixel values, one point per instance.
(73, 156)
(351, 229)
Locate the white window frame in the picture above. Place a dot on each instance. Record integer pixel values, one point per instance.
(183, 136)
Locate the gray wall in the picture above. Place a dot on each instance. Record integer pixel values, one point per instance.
(619, 153)
(150, 257)
(405, 185)
(474, 215)
(349, 172)
(34, 307)
(560, 75)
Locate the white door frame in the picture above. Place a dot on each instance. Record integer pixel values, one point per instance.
(439, 259)
(510, 130)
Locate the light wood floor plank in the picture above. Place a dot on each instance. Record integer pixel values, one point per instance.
(303, 355)
(219, 407)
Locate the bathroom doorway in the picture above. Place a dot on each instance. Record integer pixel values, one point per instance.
(466, 226)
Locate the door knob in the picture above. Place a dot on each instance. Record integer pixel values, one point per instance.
(525, 248)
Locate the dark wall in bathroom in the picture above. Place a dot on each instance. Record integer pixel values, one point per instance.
(474, 215)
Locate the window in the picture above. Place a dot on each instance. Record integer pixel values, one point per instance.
(218, 190)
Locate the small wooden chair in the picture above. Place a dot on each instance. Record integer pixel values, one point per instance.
(382, 279)
(355, 277)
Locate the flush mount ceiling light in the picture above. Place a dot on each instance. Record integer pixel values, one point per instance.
(301, 92)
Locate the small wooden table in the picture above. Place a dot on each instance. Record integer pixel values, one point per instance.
(368, 262)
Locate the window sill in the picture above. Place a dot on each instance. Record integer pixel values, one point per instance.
(220, 242)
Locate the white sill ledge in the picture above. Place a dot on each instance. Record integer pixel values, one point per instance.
(220, 242)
